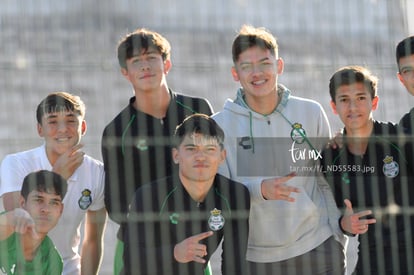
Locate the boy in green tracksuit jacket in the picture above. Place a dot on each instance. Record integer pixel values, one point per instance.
(25, 247)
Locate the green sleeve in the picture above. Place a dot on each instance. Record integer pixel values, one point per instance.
(53, 263)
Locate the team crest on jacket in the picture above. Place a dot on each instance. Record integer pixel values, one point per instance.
(7, 270)
(391, 168)
(298, 134)
(174, 217)
(216, 220)
(85, 200)
(345, 178)
(142, 144)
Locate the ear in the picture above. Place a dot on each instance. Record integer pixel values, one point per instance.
(235, 74)
(375, 103)
(175, 155)
(83, 127)
(40, 130)
(167, 66)
(280, 65)
(22, 201)
(223, 155)
(333, 106)
(61, 208)
(124, 72)
(400, 78)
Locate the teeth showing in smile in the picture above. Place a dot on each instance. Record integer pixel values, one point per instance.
(62, 139)
(259, 82)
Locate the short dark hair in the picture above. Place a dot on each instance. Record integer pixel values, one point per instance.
(250, 36)
(141, 40)
(404, 48)
(353, 74)
(199, 124)
(60, 102)
(44, 181)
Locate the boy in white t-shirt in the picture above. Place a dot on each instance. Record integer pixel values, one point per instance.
(60, 121)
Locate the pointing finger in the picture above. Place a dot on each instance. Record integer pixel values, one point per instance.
(203, 235)
(363, 213)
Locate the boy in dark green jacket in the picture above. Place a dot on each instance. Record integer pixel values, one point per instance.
(25, 247)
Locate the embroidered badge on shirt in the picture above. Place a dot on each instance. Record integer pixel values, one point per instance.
(174, 218)
(142, 145)
(391, 168)
(298, 134)
(345, 178)
(245, 143)
(85, 200)
(3, 270)
(216, 220)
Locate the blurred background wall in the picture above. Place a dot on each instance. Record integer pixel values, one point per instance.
(48, 45)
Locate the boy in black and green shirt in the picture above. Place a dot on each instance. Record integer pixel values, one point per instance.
(405, 60)
(370, 172)
(176, 223)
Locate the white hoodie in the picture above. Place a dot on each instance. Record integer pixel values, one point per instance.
(260, 147)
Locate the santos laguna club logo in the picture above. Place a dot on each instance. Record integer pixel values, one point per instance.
(391, 168)
(298, 134)
(85, 200)
(216, 220)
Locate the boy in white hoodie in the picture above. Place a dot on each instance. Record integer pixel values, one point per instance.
(273, 140)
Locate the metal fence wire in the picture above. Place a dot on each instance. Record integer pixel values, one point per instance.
(48, 45)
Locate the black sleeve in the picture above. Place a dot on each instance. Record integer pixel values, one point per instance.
(108, 151)
(148, 246)
(407, 122)
(236, 233)
(328, 167)
(118, 174)
(207, 108)
(408, 174)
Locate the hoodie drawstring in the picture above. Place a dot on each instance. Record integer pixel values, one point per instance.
(251, 129)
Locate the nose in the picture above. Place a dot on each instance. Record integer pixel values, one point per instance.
(256, 69)
(44, 208)
(62, 126)
(353, 104)
(145, 66)
(199, 154)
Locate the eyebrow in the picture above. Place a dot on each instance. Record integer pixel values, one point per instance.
(261, 60)
(147, 52)
(54, 115)
(52, 199)
(189, 144)
(406, 67)
(205, 145)
(357, 94)
(56, 200)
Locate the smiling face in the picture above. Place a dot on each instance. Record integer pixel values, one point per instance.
(61, 130)
(257, 70)
(406, 72)
(45, 208)
(198, 157)
(147, 70)
(354, 105)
